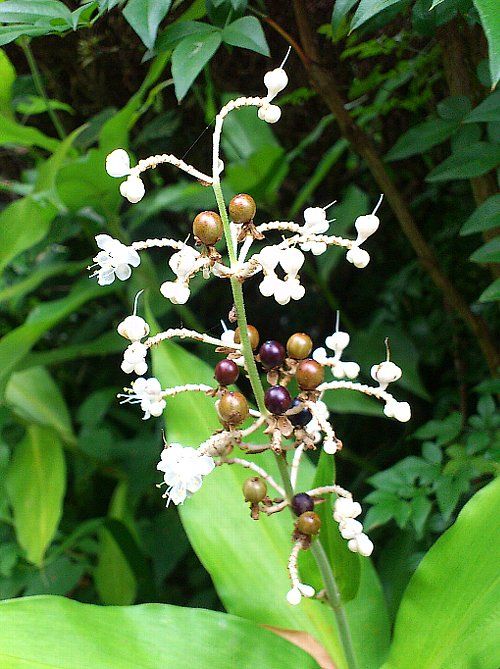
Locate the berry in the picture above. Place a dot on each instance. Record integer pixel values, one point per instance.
(272, 354)
(254, 489)
(226, 372)
(253, 335)
(308, 523)
(299, 346)
(302, 503)
(277, 399)
(309, 374)
(301, 418)
(232, 408)
(207, 226)
(242, 208)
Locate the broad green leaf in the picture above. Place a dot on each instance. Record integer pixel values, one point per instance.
(109, 342)
(352, 401)
(421, 138)
(455, 588)
(113, 577)
(492, 293)
(35, 483)
(32, 104)
(341, 8)
(488, 253)
(63, 634)
(490, 18)
(367, 9)
(17, 11)
(247, 559)
(12, 132)
(454, 108)
(58, 577)
(468, 162)
(9, 33)
(485, 217)
(189, 57)
(174, 33)
(37, 276)
(7, 77)
(246, 33)
(488, 110)
(145, 17)
(36, 397)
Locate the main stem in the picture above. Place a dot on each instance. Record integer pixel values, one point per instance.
(317, 549)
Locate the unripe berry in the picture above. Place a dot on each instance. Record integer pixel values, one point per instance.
(226, 372)
(242, 208)
(207, 226)
(254, 489)
(309, 374)
(308, 523)
(232, 408)
(302, 503)
(253, 335)
(277, 399)
(301, 418)
(272, 354)
(299, 346)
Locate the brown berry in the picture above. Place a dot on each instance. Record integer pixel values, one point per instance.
(308, 523)
(254, 489)
(242, 208)
(299, 346)
(207, 226)
(309, 374)
(253, 335)
(232, 408)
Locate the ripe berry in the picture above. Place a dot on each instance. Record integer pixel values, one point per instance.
(309, 374)
(254, 489)
(242, 208)
(308, 523)
(272, 354)
(226, 372)
(299, 419)
(232, 408)
(253, 335)
(299, 346)
(277, 399)
(302, 503)
(207, 226)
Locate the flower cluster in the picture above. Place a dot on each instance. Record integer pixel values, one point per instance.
(290, 260)
(183, 470)
(337, 342)
(345, 513)
(114, 260)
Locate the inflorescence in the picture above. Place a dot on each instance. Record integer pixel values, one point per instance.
(291, 423)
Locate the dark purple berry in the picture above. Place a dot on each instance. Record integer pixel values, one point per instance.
(277, 399)
(272, 354)
(302, 502)
(226, 372)
(301, 418)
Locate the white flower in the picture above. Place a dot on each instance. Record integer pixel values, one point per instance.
(330, 446)
(399, 410)
(338, 341)
(315, 224)
(366, 226)
(133, 328)
(294, 596)
(114, 260)
(350, 528)
(358, 257)
(269, 113)
(386, 372)
(132, 189)
(289, 288)
(118, 163)
(147, 393)
(345, 370)
(175, 291)
(183, 471)
(134, 359)
(275, 81)
(345, 507)
(183, 262)
(320, 355)
(361, 544)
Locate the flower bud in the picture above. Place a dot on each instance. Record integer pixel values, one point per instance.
(133, 328)
(269, 113)
(350, 528)
(358, 257)
(275, 81)
(399, 410)
(306, 590)
(361, 544)
(338, 341)
(366, 226)
(314, 216)
(351, 369)
(294, 596)
(346, 508)
(291, 260)
(118, 163)
(132, 189)
(177, 293)
(385, 373)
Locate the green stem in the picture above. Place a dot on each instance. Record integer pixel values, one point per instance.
(316, 548)
(37, 78)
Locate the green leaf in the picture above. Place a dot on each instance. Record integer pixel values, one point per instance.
(454, 108)
(490, 19)
(12, 132)
(145, 17)
(421, 138)
(455, 586)
(189, 57)
(7, 77)
(246, 33)
(492, 293)
(467, 162)
(435, 3)
(32, 104)
(35, 483)
(249, 572)
(340, 10)
(485, 217)
(352, 401)
(57, 632)
(17, 11)
(488, 253)
(36, 397)
(174, 33)
(488, 110)
(37, 276)
(367, 9)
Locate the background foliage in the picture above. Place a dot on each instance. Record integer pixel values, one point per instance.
(79, 513)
